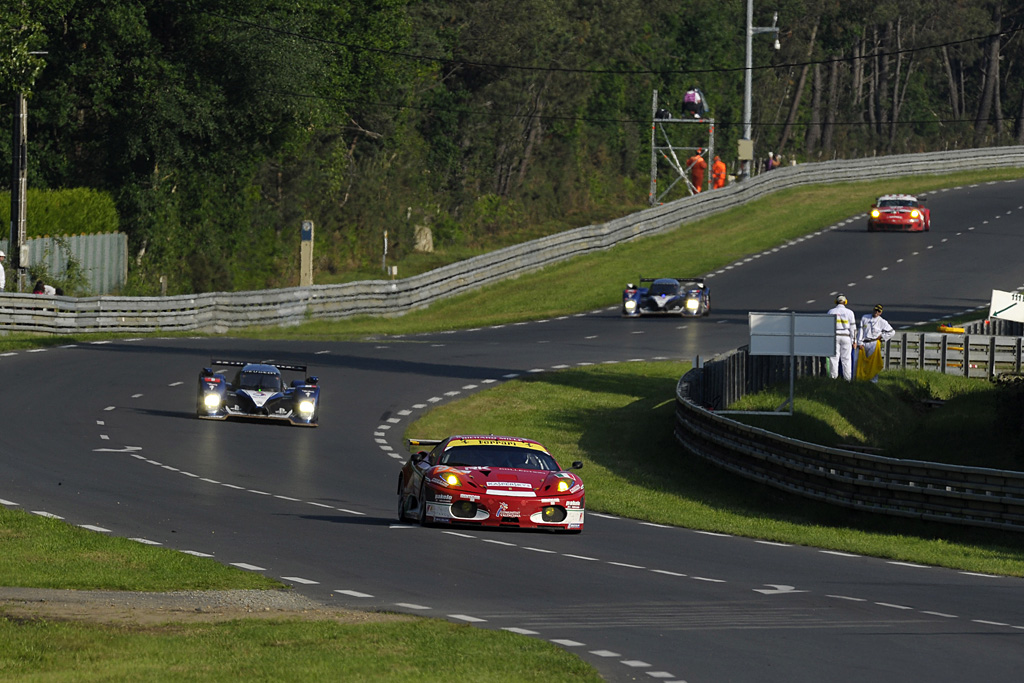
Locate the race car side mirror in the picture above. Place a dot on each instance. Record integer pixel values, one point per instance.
(577, 465)
(312, 380)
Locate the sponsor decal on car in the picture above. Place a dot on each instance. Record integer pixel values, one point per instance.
(512, 484)
(440, 513)
(258, 397)
(503, 511)
(521, 443)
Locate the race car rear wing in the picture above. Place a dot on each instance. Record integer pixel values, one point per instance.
(242, 363)
(415, 443)
(698, 280)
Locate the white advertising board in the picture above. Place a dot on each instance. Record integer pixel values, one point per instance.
(797, 334)
(1007, 306)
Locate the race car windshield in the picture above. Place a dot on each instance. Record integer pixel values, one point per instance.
(259, 381)
(896, 203)
(663, 288)
(499, 456)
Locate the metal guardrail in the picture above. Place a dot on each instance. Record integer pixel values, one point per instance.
(223, 311)
(728, 377)
(907, 488)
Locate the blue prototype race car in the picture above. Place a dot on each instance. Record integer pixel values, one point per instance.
(257, 391)
(687, 297)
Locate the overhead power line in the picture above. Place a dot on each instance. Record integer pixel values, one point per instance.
(488, 113)
(615, 72)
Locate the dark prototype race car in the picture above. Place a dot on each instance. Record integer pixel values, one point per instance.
(688, 297)
(492, 481)
(257, 391)
(899, 212)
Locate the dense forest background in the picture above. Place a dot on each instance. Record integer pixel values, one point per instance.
(219, 125)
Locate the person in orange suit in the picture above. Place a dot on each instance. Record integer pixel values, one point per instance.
(718, 173)
(697, 166)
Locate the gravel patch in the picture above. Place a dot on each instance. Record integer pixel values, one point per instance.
(145, 608)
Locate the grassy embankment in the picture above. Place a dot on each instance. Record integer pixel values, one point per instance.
(599, 415)
(618, 420)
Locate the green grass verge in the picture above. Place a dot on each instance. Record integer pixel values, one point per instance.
(259, 650)
(618, 419)
(42, 552)
(977, 424)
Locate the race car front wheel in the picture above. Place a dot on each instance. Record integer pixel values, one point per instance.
(422, 516)
(403, 502)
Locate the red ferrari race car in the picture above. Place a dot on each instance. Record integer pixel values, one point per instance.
(491, 481)
(899, 212)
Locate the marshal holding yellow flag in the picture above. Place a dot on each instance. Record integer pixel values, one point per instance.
(873, 329)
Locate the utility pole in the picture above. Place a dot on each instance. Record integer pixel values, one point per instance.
(19, 184)
(746, 146)
(17, 246)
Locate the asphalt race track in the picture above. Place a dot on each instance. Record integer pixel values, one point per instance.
(104, 435)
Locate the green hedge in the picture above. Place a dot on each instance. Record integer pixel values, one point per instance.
(80, 211)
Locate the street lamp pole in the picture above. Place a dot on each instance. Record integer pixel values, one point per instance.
(751, 30)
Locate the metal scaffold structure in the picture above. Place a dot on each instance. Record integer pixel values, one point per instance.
(681, 165)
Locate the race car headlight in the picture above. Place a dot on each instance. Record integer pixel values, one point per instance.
(692, 304)
(915, 214)
(451, 479)
(212, 401)
(563, 486)
(306, 407)
(629, 305)
(875, 213)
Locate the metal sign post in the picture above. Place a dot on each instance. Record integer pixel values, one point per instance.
(790, 334)
(306, 255)
(1007, 306)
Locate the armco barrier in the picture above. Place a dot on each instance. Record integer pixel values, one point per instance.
(930, 491)
(222, 311)
(907, 488)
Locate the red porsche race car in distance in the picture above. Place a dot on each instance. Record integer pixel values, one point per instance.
(490, 481)
(900, 213)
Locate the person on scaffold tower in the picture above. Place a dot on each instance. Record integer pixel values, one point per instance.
(694, 103)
